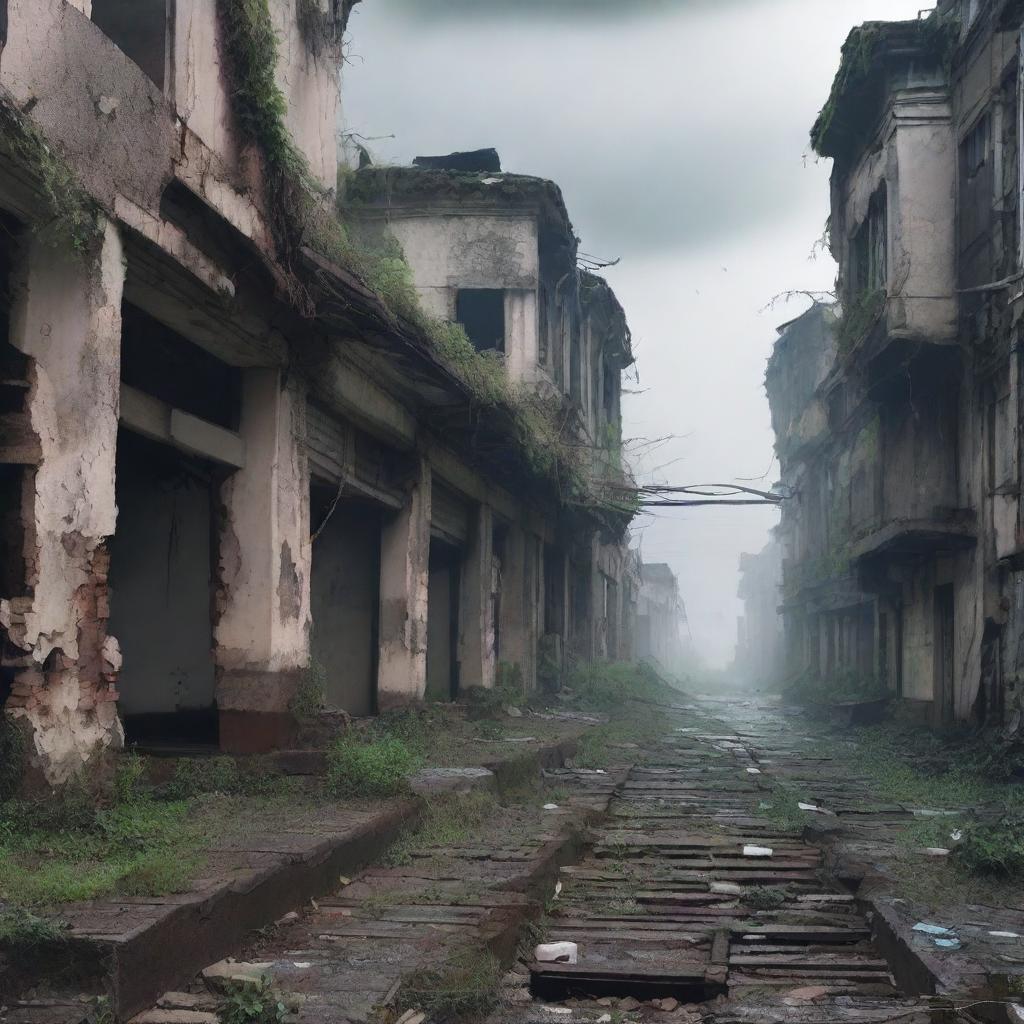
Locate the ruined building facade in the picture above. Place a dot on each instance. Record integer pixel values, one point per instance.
(662, 631)
(233, 470)
(759, 639)
(906, 481)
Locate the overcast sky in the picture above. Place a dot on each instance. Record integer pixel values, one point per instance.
(678, 132)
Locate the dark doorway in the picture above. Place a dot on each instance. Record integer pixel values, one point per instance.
(345, 599)
(945, 649)
(443, 621)
(161, 588)
(481, 311)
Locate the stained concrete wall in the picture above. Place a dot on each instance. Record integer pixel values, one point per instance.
(66, 317)
(450, 251)
(263, 613)
(916, 164)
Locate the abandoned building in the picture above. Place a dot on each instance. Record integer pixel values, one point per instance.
(899, 432)
(232, 466)
(662, 630)
(758, 660)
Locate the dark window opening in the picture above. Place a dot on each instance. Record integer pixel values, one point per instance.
(345, 598)
(481, 311)
(575, 361)
(976, 147)
(3, 22)
(543, 326)
(871, 248)
(140, 29)
(167, 366)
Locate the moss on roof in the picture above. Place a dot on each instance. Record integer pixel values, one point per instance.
(391, 185)
(855, 86)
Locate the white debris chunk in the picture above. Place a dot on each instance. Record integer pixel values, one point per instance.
(556, 953)
(757, 851)
(934, 851)
(753, 771)
(551, 807)
(726, 889)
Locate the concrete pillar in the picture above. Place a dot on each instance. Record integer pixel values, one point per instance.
(262, 609)
(66, 317)
(404, 576)
(476, 628)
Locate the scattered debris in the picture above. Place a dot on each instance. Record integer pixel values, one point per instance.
(757, 851)
(556, 953)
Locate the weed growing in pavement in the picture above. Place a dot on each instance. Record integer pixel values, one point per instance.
(197, 776)
(88, 841)
(249, 1003)
(467, 986)
(362, 767)
(765, 897)
(445, 820)
(783, 809)
(996, 850)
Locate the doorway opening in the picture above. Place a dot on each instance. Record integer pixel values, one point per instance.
(161, 593)
(345, 599)
(443, 621)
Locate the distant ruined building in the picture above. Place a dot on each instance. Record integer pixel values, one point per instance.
(898, 413)
(662, 631)
(248, 449)
(758, 659)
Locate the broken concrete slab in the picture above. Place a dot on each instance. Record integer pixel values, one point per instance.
(430, 781)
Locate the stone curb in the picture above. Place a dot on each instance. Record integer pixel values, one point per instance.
(132, 950)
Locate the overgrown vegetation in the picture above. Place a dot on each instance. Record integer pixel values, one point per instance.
(252, 1002)
(936, 35)
(445, 821)
(635, 694)
(466, 987)
(996, 849)
(84, 842)
(859, 315)
(359, 766)
(75, 215)
(846, 685)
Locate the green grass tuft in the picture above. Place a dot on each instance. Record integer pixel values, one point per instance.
(467, 986)
(358, 767)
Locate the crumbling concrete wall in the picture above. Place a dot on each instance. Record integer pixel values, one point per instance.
(66, 317)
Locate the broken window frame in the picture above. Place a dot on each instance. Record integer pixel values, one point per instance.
(869, 248)
(977, 143)
(474, 331)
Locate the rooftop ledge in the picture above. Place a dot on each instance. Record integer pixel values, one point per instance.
(879, 57)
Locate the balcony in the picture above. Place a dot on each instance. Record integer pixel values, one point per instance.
(945, 530)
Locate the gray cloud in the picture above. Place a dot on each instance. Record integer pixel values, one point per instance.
(430, 10)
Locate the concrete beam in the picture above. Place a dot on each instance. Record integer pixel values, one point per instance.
(159, 421)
